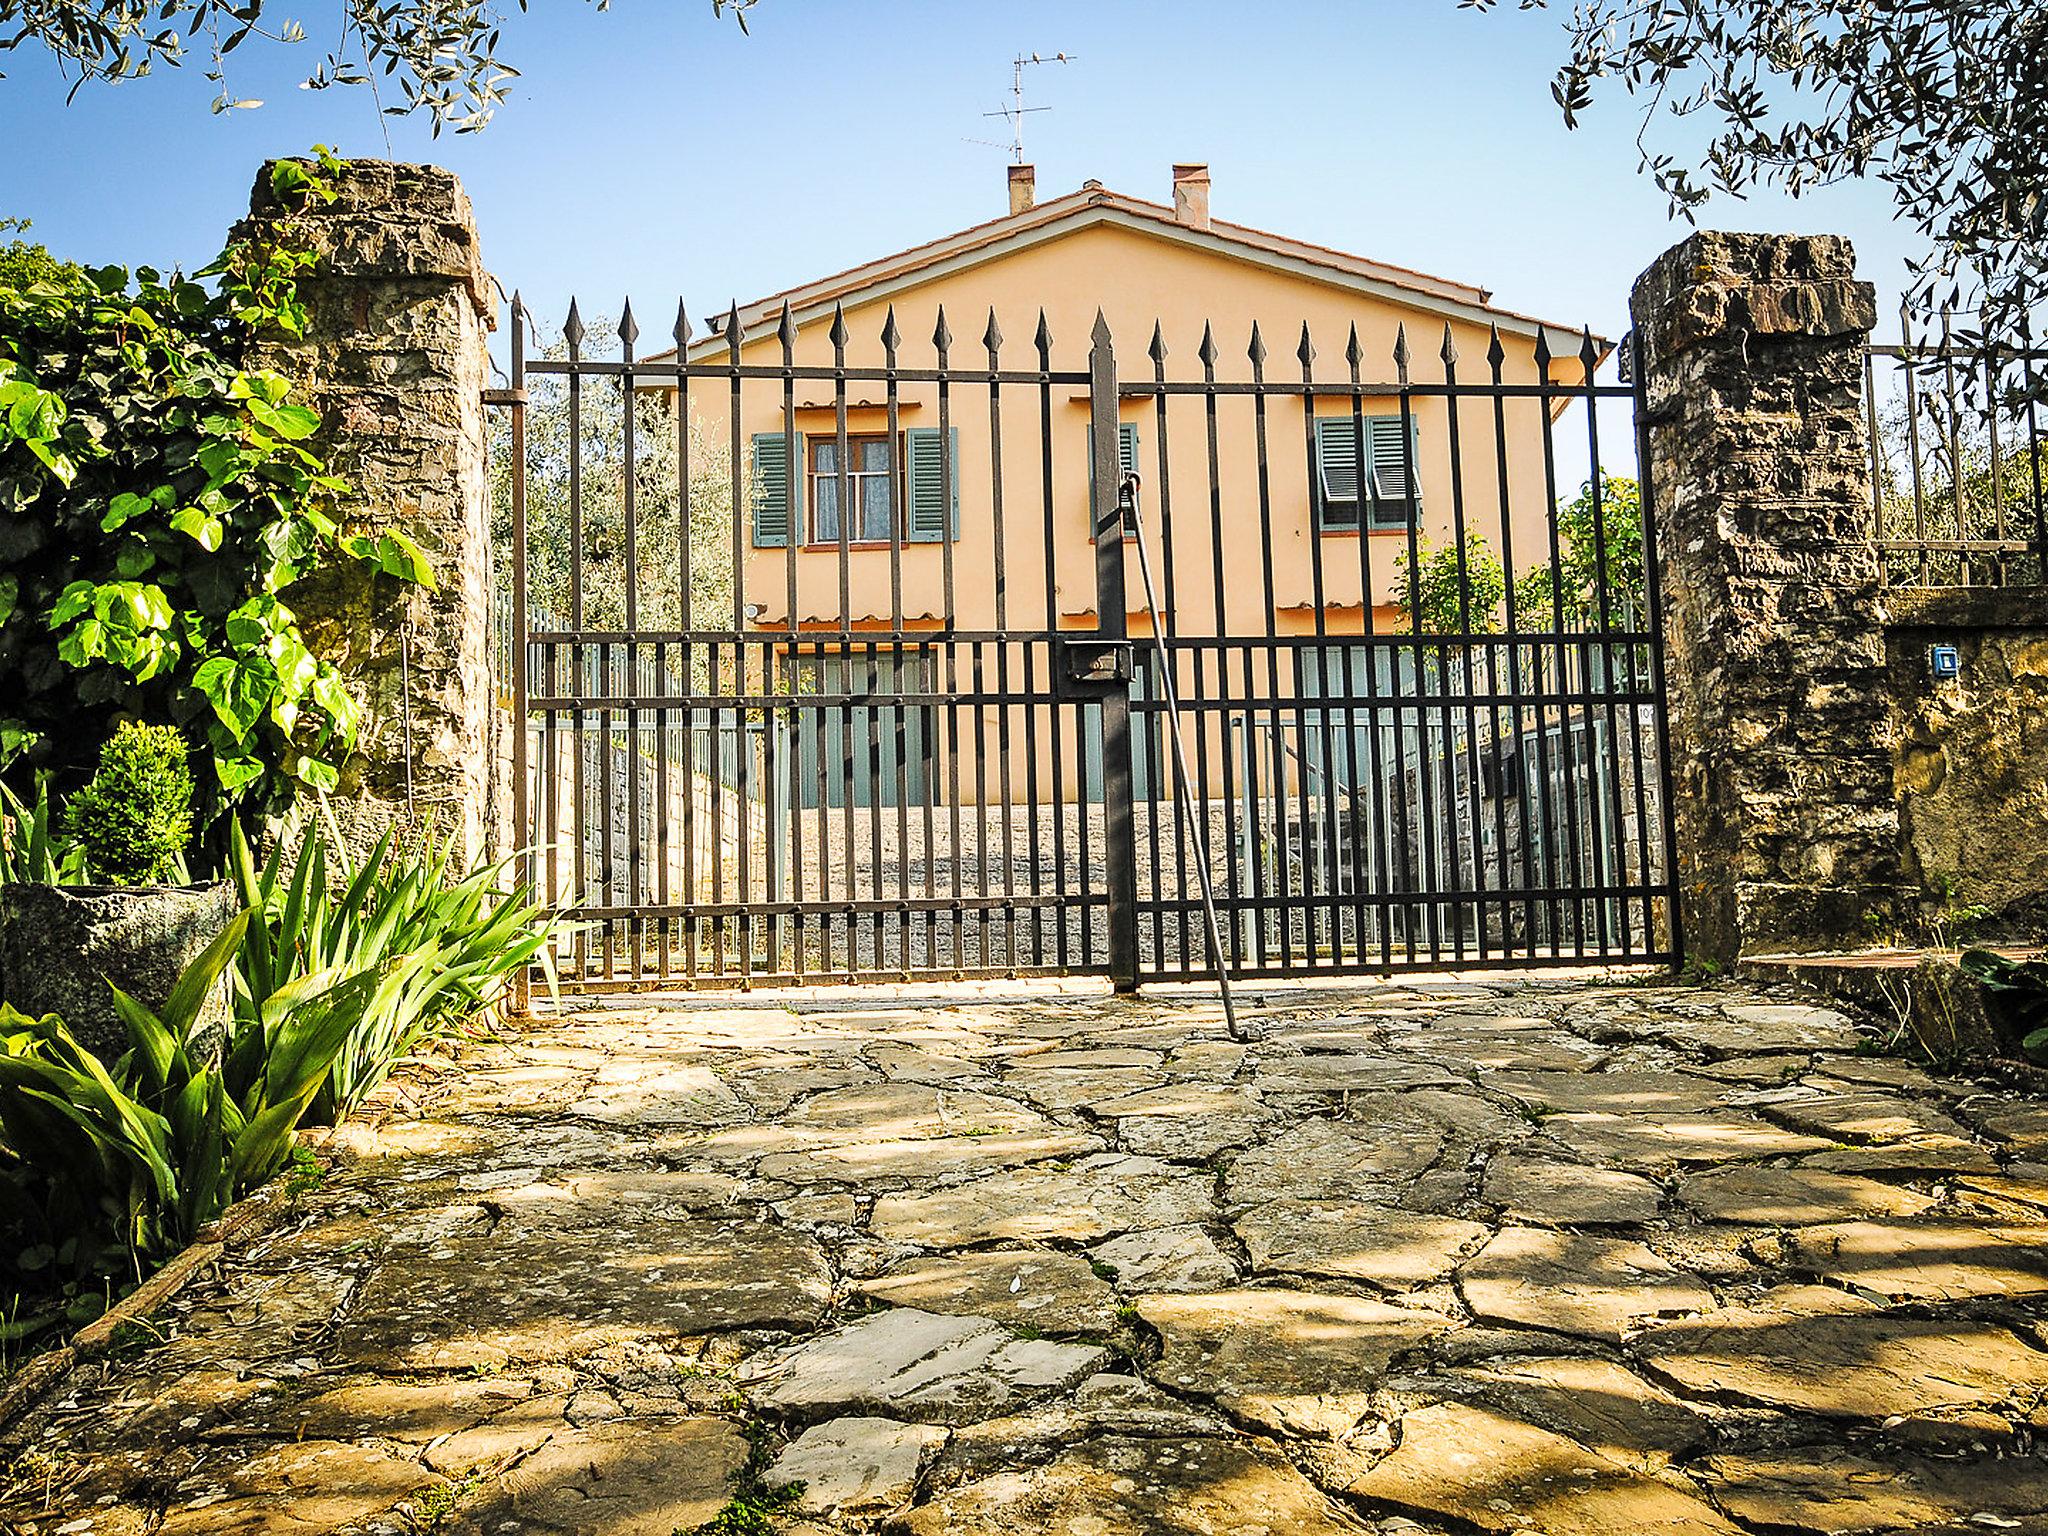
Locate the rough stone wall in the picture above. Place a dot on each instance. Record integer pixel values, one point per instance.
(1751, 348)
(395, 358)
(1972, 768)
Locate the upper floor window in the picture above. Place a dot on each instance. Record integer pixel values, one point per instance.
(870, 482)
(800, 484)
(1385, 493)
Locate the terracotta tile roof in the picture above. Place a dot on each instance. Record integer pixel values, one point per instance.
(1094, 202)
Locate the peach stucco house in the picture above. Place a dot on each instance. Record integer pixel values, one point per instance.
(1140, 264)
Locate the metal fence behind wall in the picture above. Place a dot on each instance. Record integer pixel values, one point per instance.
(954, 751)
(1957, 458)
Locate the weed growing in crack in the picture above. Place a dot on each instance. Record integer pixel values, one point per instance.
(429, 1512)
(754, 1505)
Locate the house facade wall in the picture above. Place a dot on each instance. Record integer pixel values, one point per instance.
(1216, 566)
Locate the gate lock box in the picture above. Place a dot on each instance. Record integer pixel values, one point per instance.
(1095, 667)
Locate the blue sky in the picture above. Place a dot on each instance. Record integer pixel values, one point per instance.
(654, 150)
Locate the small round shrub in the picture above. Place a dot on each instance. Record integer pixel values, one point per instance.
(134, 819)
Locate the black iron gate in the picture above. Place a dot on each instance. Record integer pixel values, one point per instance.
(830, 661)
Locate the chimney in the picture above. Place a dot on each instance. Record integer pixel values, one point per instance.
(1191, 195)
(1023, 184)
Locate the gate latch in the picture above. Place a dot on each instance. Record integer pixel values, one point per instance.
(1097, 666)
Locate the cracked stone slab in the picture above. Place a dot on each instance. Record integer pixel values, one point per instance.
(1492, 1472)
(1018, 1287)
(1540, 1190)
(552, 1283)
(650, 1091)
(1096, 1197)
(1755, 1029)
(1918, 1154)
(1293, 1362)
(650, 1477)
(864, 1467)
(2021, 1124)
(908, 1364)
(1790, 1197)
(1861, 1115)
(1130, 1486)
(1380, 1244)
(1821, 1351)
(1925, 1260)
(1565, 1282)
(1835, 1492)
(311, 1487)
(1601, 1404)
(1656, 1143)
(1323, 1159)
(905, 1160)
(1334, 1073)
(1168, 1259)
(1613, 1092)
(1070, 1087)
(1485, 1043)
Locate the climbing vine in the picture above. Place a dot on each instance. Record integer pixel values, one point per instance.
(159, 496)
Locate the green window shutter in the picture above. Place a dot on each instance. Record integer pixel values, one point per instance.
(1336, 501)
(1390, 463)
(1126, 460)
(927, 482)
(774, 506)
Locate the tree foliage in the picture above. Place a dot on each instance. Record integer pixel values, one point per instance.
(440, 57)
(659, 527)
(157, 502)
(1451, 589)
(1598, 580)
(1943, 101)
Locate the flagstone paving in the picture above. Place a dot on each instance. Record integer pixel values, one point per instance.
(1584, 1258)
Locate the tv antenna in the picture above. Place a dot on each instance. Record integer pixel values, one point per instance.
(1014, 113)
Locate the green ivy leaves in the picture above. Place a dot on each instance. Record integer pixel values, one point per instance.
(156, 499)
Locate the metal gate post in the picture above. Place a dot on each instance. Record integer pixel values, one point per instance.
(523, 837)
(1120, 842)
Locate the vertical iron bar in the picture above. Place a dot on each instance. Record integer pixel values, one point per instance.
(795, 504)
(629, 332)
(1554, 651)
(1284, 895)
(1324, 758)
(572, 332)
(1366, 492)
(1653, 592)
(1466, 805)
(686, 620)
(992, 341)
(1043, 341)
(1119, 838)
(523, 832)
(1589, 358)
(1425, 768)
(1496, 355)
(1224, 671)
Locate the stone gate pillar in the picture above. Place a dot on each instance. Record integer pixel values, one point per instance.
(395, 359)
(1751, 351)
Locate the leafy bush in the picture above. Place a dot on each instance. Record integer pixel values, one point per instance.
(134, 820)
(110, 1165)
(158, 499)
(32, 851)
(440, 946)
(2019, 989)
